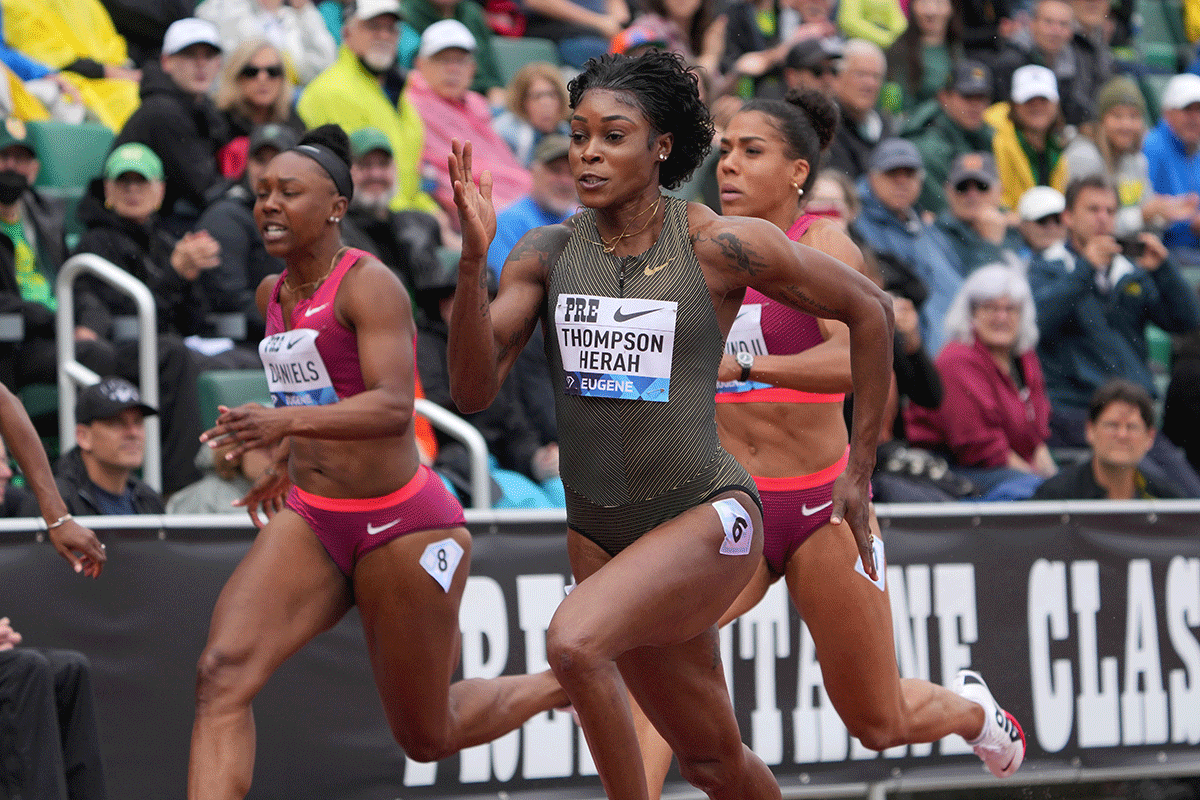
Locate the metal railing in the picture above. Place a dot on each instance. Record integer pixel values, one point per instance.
(72, 374)
(468, 434)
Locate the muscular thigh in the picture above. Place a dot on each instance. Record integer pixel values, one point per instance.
(848, 616)
(410, 619)
(669, 585)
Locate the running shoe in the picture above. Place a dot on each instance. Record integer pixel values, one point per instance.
(1001, 743)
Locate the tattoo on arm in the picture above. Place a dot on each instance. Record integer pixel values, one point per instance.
(736, 252)
(541, 243)
(518, 337)
(797, 297)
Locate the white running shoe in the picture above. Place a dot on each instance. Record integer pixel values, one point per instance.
(1001, 743)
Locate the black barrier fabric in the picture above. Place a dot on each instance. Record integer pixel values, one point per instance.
(1085, 628)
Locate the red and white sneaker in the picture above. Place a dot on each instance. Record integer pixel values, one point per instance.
(1001, 743)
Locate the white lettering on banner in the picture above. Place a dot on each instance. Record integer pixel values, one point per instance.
(911, 608)
(1183, 612)
(818, 730)
(958, 627)
(1053, 688)
(546, 745)
(485, 655)
(1143, 702)
(764, 633)
(1097, 714)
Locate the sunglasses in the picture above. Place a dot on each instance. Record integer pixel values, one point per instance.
(250, 71)
(1049, 219)
(965, 186)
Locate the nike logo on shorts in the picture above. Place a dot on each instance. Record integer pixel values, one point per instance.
(808, 512)
(374, 529)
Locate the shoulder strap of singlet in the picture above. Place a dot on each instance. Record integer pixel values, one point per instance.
(801, 226)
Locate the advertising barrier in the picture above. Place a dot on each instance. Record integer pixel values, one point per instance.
(1084, 618)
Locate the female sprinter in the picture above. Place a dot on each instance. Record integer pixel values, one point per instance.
(779, 412)
(364, 523)
(636, 294)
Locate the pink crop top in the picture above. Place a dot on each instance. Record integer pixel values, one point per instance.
(766, 327)
(315, 360)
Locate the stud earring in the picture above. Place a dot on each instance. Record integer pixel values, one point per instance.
(662, 156)
(799, 191)
(334, 220)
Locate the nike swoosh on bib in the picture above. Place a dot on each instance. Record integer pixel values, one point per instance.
(374, 529)
(808, 512)
(308, 312)
(621, 316)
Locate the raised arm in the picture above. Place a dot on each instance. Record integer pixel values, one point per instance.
(740, 252)
(73, 542)
(486, 336)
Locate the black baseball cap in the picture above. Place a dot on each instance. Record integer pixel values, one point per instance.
(970, 79)
(107, 399)
(272, 134)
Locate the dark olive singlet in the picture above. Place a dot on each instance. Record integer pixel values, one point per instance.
(628, 465)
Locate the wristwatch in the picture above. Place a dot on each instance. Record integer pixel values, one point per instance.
(745, 360)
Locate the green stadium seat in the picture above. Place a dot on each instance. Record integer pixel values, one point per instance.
(1158, 344)
(1161, 39)
(512, 53)
(70, 155)
(232, 387)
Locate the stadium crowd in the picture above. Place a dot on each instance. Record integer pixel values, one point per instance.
(1019, 177)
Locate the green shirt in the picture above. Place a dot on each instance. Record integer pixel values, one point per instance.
(32, 282)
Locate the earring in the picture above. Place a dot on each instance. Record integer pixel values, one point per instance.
(799, 191)
(662, 156)
(334, 220)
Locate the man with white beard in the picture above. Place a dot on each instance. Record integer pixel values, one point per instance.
(363, 89)
(406, 241)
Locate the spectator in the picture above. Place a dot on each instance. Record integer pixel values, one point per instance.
(995, 417)
(32, 248)
(363, 89)
(1174, 166)
(1048, 42)
(877, 21)
(920, 62)
(406, 241)
(439, 89)
(224, 481)
(537, 107)
(254, 89)
(293, 27)
(1093, 304)
(812, 64)
(856, 90)
(1041, 223)
(1028, 142)
(77, 38)
(98, 475)
(489, 81)
(890, 224)
(987, 24)
(1112, 146)
(974, 223)
(693, 29)
(144, 23)
(758, 37)
(12, 498)
(551, 200)
(582, 29)
(179, 122)
(243, 260)
(49, 729)
(1120, 433)
(512, 437)
(123, 228)
(32, 90)
(1093, 38)
(951, 127)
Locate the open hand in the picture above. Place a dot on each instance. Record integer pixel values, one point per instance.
(476, 214)
(267, 494)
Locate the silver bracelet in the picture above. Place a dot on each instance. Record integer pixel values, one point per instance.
(59, 521)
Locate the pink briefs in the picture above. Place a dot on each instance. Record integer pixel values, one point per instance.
(793, 509)
(351, 527)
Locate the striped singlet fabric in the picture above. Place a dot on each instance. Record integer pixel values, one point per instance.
(630, 465)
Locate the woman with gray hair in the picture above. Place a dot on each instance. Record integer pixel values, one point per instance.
(994, 420)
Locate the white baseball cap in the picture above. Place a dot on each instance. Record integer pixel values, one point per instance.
(1039, 202)
(186, 32)
(1181, 91)
(1032, 81)
(445, 34)
(369, 9)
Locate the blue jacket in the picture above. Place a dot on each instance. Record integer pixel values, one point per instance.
(1088, 335)
(925, 248)
(1172, 171)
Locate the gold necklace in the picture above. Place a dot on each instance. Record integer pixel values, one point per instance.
(610, 247)
(328, 272)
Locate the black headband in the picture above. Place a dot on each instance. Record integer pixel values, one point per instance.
(339, 173)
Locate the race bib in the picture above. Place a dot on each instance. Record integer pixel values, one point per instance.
(440, 560)
(616, 347)
(745, 335)
(739, 530)
(296, 374)
(880, 564)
